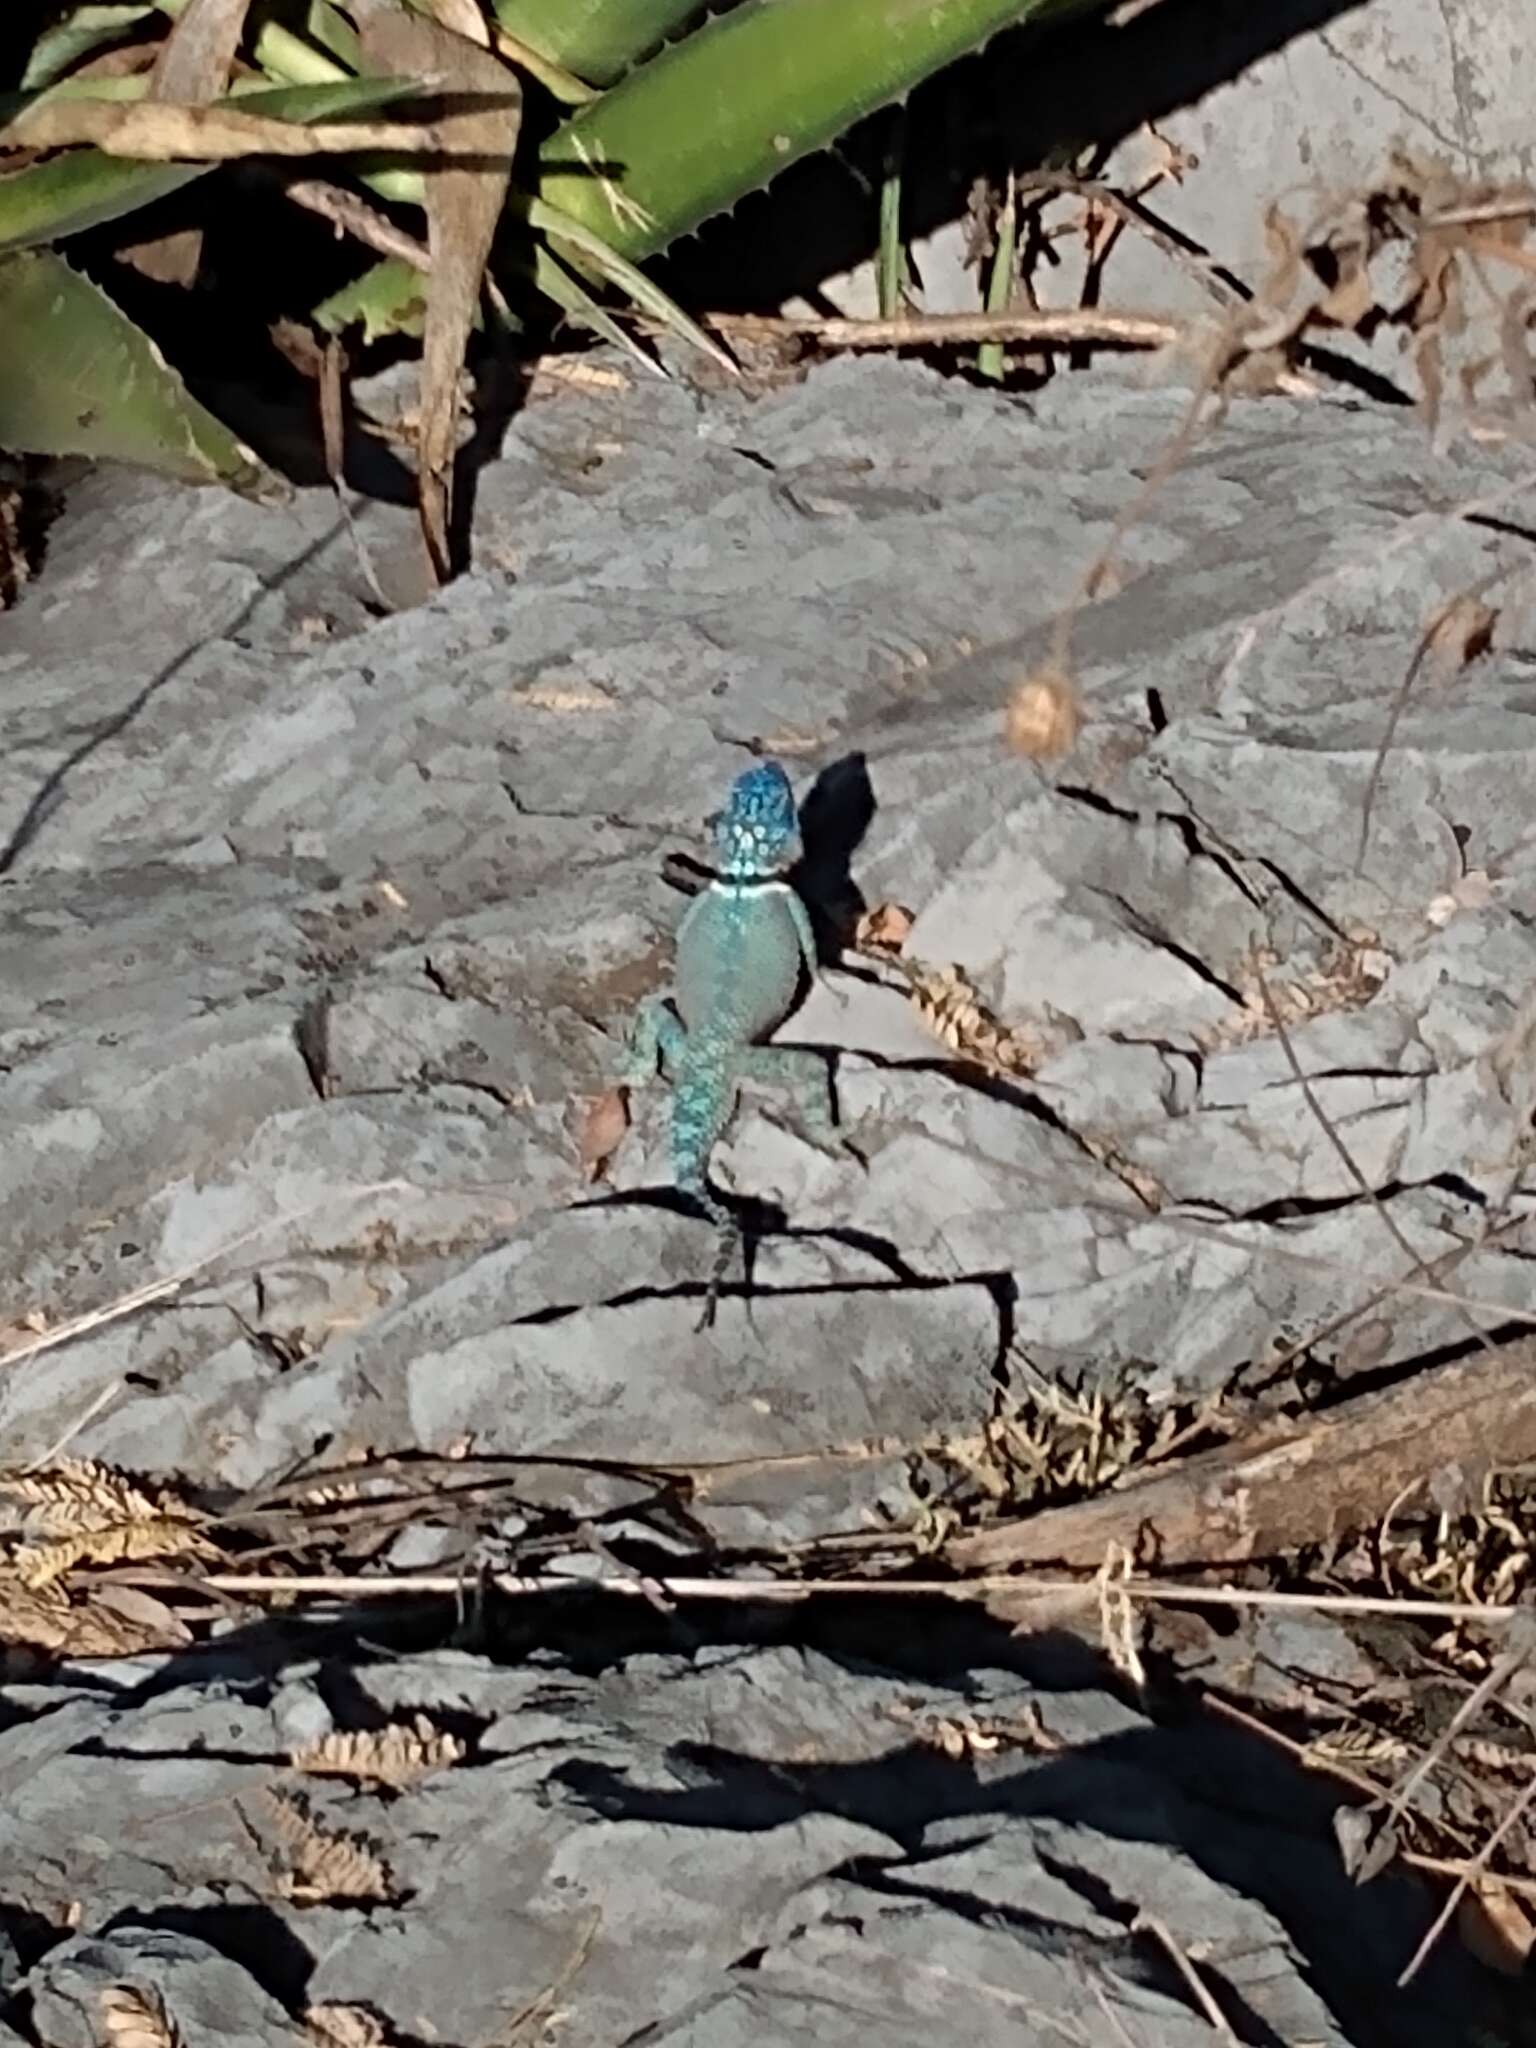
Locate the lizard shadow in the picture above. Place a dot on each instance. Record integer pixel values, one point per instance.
(760, 1219)
(835, 817)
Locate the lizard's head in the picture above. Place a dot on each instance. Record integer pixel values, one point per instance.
(757, 830)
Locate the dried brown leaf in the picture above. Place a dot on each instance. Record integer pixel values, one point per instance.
(463, 17)
(34, 1619)
(1353, 298)
(1463, 631)
(15, 568)
(193, 66)
(345, 2026)
(1495, 1926)
(128, 1543)
(398, 1755)
(162, 131)
(135, 2017)
(1350, 975)
(146, 1623)
(884, 929)
(952, 1010)
(463, 207)
(604, 1122)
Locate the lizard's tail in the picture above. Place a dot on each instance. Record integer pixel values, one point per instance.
(699, 1115)
(700, 1112)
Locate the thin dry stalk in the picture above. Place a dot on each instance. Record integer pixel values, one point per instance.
(540, 2004)
(1469, 1876)
(1420, 1290)
(160, 1290)
(532, 1585)
(1346, 1157)
(1496, 1679)
(1070, 327)
(1422, 527)
(1173, 1948)
(1117, 1617)
(1090, 1978)
(1127, 208)
(1429, 639)
(1177, 447)
(62, 1443)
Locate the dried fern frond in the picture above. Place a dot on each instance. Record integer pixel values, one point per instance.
(77, 1494)
(129, 1542)
(401, 1754)
(132, 2017)
(953, 1011)
(320, 1864)
(89, 1513)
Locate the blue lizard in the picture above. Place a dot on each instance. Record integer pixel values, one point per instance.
(740, 950)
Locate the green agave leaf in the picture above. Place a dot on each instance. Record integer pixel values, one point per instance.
(564, 289)
(722, 112)
(79, 189)
(389, 298)
(82, 188)
(598, 39)
(641, 290)
(85, 30)
(77, 377)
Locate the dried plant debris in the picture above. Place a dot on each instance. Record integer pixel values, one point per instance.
(963, 1737)
(26, 509)
(82, 1512)
(38, 1627)
(315, 1865)
(1444, 260)
(1479, 1555)
(1049, 1444)
(1350, 974)
(398, 1755)
(134, 2016)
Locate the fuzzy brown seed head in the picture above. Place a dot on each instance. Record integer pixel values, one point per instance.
(1044, 717)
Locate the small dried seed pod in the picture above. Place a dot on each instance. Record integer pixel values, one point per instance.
(1043, 717)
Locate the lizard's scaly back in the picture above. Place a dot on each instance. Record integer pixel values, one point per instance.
(756, 831)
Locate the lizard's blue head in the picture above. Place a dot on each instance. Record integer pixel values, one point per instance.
(758, 827)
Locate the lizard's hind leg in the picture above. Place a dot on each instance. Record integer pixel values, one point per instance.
(806, 1076)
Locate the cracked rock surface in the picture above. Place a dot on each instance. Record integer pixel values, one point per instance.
(765, 1844)
(317, 927)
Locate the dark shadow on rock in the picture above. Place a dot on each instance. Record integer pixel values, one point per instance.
(25, 1938)
(1079, 82)
(253, 1936)
(835, 817)
(1234, 1806)
(52, 789)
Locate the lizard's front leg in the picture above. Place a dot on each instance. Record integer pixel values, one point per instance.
(655, 1037)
